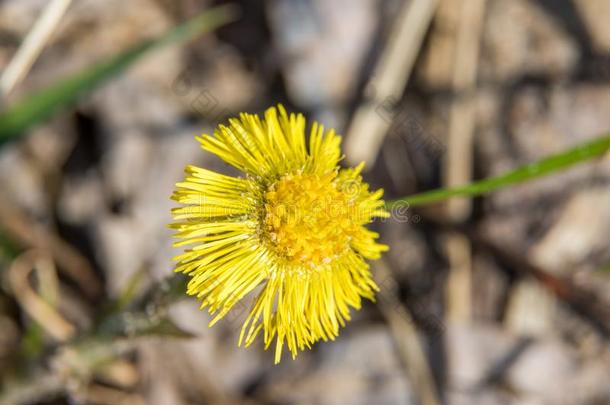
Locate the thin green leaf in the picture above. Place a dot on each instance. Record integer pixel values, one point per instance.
(8, 249)
(166, 328)
(525, 173)
(127, 294)
(43, 104)
(605, 268)
(32, 342)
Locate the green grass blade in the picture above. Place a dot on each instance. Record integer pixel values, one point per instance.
(525, 173)
(43, 104)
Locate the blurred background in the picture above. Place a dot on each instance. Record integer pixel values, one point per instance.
(501, 299)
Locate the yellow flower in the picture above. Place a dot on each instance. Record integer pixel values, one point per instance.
(292, 229)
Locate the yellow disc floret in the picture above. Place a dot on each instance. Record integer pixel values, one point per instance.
(308, 219)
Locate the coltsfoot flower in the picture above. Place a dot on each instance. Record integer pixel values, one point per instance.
(292, 229)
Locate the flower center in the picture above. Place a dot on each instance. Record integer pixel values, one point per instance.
(308, 219)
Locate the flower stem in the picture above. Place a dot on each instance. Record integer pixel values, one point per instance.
(548, 165)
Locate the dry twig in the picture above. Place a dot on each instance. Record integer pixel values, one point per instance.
(32, 46)
(29, 234)
(458, 160)
(391, 74)
(36, 307)
(411, 351)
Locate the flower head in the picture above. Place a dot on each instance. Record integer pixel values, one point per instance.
(292, 228)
